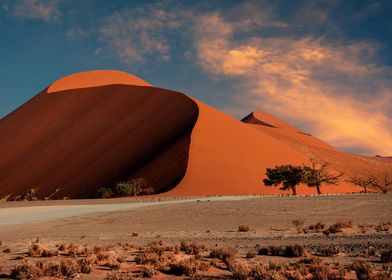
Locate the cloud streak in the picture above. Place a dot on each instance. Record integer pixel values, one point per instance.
(33, 9)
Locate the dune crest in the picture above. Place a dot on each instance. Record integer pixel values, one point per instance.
(95, 78)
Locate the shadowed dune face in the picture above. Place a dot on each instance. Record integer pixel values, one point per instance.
(82, 139)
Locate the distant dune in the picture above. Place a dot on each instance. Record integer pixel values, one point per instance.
(93, 129)
(312, 147)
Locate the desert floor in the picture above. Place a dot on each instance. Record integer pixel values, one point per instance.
(124, 229)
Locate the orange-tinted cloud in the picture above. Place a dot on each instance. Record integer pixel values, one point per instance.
(34, 9)
(332, 90)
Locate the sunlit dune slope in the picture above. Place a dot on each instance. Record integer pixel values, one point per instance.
(312, 147)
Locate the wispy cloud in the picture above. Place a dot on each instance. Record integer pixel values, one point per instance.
(33, 9)
(134, 35)
(331, 89)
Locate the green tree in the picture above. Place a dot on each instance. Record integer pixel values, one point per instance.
(318, 174)
(288, 176)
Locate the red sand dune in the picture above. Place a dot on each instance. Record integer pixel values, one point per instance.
(95, 128)
(312, 147)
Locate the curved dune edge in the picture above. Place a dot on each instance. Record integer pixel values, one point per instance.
(95, 78)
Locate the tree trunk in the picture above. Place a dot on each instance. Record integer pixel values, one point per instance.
(294, 190)
(318, 189)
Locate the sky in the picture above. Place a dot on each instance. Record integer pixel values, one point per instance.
(323, 66)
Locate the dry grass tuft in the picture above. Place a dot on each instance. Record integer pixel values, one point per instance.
(244, 228)
(191, 248)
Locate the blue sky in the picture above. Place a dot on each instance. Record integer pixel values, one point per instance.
(324, 66)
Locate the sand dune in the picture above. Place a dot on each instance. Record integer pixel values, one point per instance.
(92, 129)
(312, 147)
(82, 139)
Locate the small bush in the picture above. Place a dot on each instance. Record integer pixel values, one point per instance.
(292, 251)
(240, 272)
(386, 256)
(147, 258)
(148, 270)
(298, 223)
(7, 250)
(191, 248)
(116, 275)
(85, 265)
(105, 193)
(250, 255)
(186, 267)
(34, 250)
(69, 268)
(363, 270)
(319, 227)
(263, 251)
(223, 253)
(244, 228)
(328, 251)
(25, 270)
(49, 253)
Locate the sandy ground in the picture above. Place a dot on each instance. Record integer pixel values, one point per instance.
(213, 222)
(203, 219)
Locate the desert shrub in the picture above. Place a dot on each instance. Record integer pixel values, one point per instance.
(293, 250)
(337, 227)
(321, 272)
(134, 234)
(382, 226)
(363, 270)
(276, 250)
(244, 228)
(318, 227)
(73, 250)
(223, 253)
(112, 263)
(309, 261)
(69, 268)
(250, 255)
(262, 272)
(298, 223)
(370, 251)
(186, 267)
(191, 248)
(7, 250)
(147, 258)
(49, 253)
(116, 275)
(263, 251)
(240, 271)
(61, 247)
(25, 270)
(34, 250)
(52, 269)
(328, 251)
(105, 193)
(148, 270)
(386, 256)
(85, 265)
(30, 195)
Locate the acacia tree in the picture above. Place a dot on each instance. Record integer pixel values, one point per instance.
(383, 185)
(318, 174)
(362, 182)
(288, 176)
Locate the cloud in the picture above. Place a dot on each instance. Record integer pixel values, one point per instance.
(137, 34)
(330, 89)
(33, 9)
